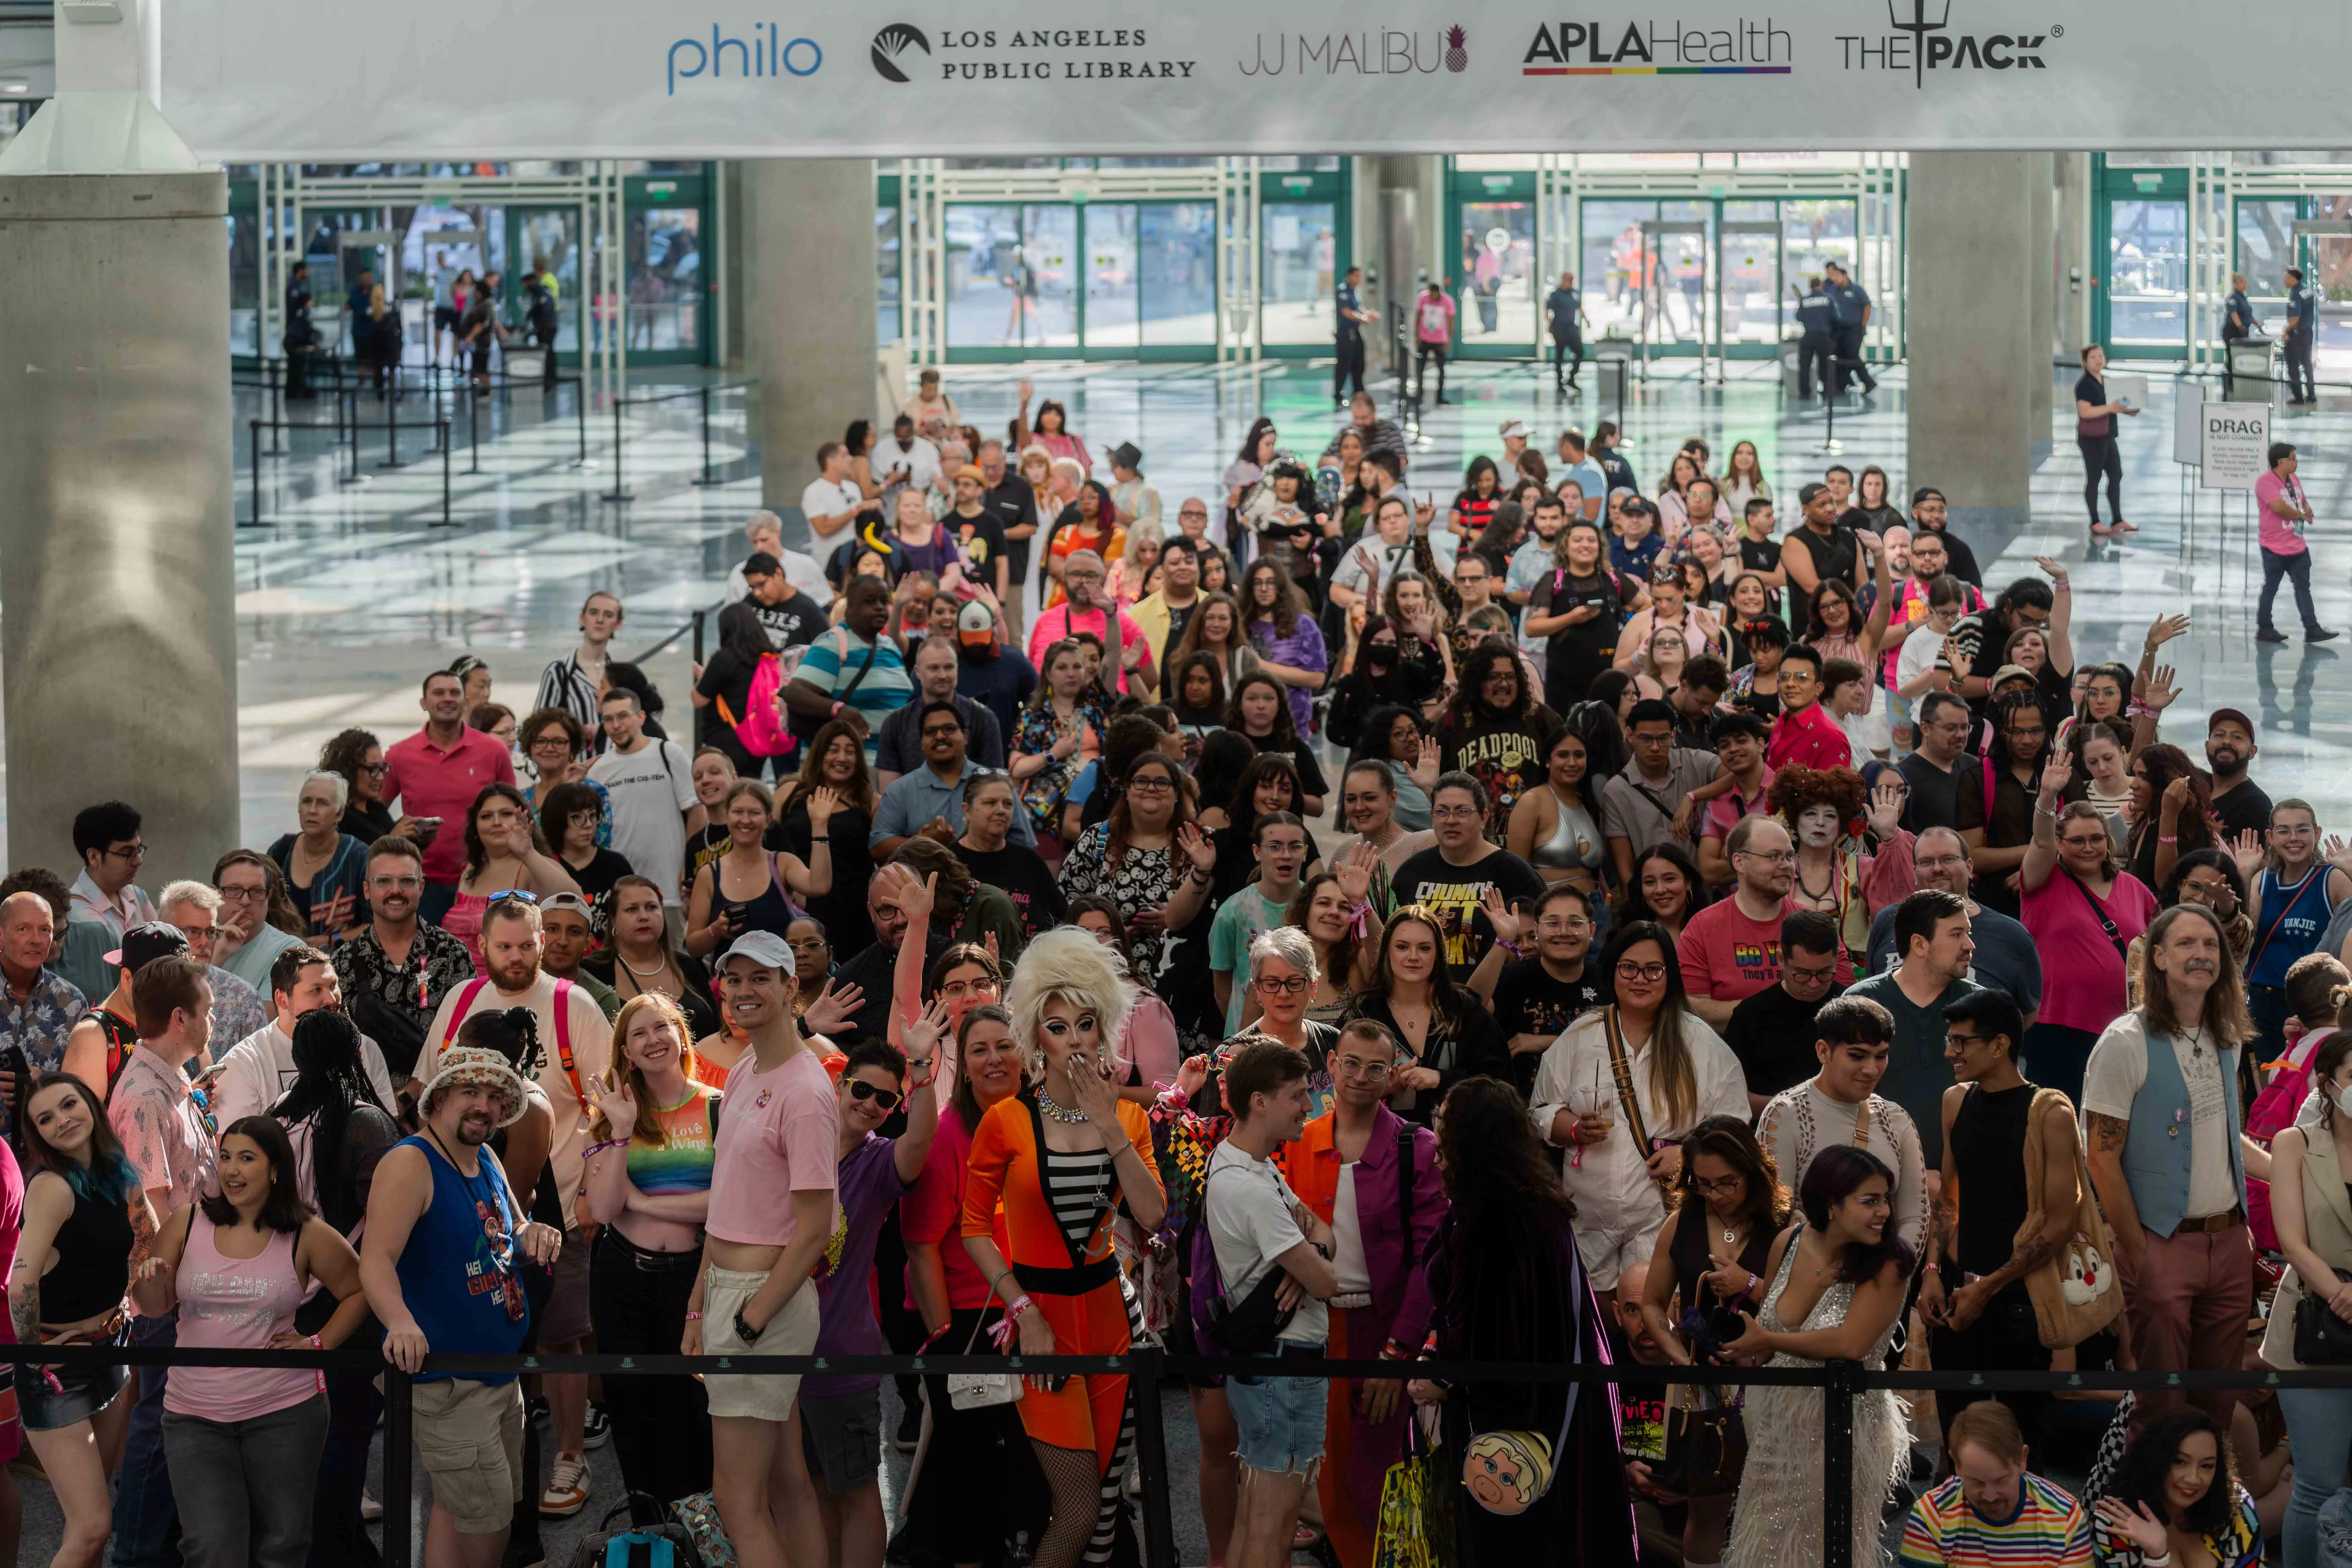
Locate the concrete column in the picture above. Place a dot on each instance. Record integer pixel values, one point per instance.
(1404, 253)
(2041, 190)
(118, 649)
(2076, 265)
(807, 299)
(1973, 355)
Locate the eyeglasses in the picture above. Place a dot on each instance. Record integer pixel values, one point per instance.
(887, 1099)
(1565, 925)
(375, 770)
(1292, 987)
(1729, 1186)
(942, 731)
(1820, 977)
(1653, 973)
(244, 894)
(1961, 1041)
(558, 742)
(1199, 511)
(1453, 813)
(1770, 856)
(1349, 1066)
(132, 852)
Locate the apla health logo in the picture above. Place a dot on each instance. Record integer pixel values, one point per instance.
(891, 45)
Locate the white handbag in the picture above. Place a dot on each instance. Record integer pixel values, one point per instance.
(979, 1390)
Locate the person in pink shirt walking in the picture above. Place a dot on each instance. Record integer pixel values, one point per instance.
(1432, 333)
(2285, 514)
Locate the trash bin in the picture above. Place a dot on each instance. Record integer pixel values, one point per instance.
(1791, 358)
(2251, 380)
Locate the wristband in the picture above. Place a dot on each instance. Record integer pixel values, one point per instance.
(693, 1317)
(835, 713)
(315, 1344)
(596, 1148)
(2167, 838)
(2062, 586)
(1018, 1305)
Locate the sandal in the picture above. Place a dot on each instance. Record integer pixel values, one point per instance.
(2123, 527)
(2101, 530)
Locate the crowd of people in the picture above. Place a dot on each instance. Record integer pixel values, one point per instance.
(1747, 941)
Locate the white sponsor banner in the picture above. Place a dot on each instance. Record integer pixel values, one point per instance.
(431, 80)
(2236, 448)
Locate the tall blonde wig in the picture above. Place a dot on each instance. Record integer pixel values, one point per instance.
(1066, 964)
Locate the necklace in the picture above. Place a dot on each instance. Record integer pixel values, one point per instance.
(661, 965)
(1731, 1234)
(1828, 888)
(1049, 1108)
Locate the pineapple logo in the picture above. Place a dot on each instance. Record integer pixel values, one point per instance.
(1458, 59)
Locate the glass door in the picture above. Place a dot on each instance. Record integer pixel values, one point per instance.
(1013, 279)
(551, 236)
(1298, 272)
(2327, 238)
(1113, 320)
(666, 281)
(1494, 286)
(1747, 289)
(1612, 265)
(1674, 314)
(2147, 275)
(1175, 252)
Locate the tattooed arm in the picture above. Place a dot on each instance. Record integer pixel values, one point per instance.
(1943, 1222)
(2106, 1158)
(49, 1205)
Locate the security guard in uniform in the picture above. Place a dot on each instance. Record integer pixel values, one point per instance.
(2301, 324)
(1850, 303)
(1349, 368)
(1817, 318)
(1565, 307)
(2238, 324)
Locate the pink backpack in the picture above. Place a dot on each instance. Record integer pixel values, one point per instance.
(761, 727)
(2272, 1111)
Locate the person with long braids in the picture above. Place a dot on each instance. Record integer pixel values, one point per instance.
(1505, 1280)
(1065, 1157)
(1495, 731)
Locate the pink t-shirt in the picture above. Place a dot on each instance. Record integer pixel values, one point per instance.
(780, 1135)
(2280, 536)
(1728, 957)
(2081, 970)
(1724, 812)
(1434, 317)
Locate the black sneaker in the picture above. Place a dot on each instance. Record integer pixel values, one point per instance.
(910, 1429)
(2321, 634)
(2270, 634)
(599, 1426)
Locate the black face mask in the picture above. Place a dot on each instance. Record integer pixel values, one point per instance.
(1378, 658)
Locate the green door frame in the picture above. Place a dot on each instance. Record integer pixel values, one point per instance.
(644, 194)
(1469, 188)
(1321, 187)
(2112, 184)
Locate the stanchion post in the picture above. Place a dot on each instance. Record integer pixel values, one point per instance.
(620, 491)
(253, 468)
(1837, 1467)
(706, 478)
(580, 407)
(1152, 1456)
(473, 432)
(399, 1483)
(700, 617)
(276, 409)
(441, 434)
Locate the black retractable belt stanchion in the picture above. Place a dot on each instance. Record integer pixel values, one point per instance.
(399, 1481)
(253, 465)
(441, 436)
(473, 433)
(392, 426)
(706, 478)
(580, 407)
(699, 618)
(276, 408)
(1151, 1458)
(620, 491)
(1837, 1466)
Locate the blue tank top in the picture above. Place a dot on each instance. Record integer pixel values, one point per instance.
(2288, 921)
(460, 1269)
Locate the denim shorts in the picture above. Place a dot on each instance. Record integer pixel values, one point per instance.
(1280, 1419)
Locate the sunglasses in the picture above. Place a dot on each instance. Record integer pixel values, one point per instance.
(887, 1099)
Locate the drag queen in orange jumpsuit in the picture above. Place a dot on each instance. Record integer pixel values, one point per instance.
(1064, 1158)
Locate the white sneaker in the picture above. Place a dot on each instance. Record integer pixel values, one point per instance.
(567, 1488)
(371, 1506)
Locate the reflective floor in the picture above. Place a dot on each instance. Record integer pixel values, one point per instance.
(350, 591)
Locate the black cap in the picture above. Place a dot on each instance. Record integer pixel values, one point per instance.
(1127, 455)
(760, 564)
(143, 945)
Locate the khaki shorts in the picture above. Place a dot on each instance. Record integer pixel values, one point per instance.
(792, 1331)
(470, 1438)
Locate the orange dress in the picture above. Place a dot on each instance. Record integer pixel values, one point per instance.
(1079, 1288)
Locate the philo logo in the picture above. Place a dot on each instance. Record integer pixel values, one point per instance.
(891, 44)
(1605, 48)
(765, 54)
(1920, 40)
(1388, 51)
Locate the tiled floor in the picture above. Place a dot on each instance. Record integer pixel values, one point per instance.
(349, 592)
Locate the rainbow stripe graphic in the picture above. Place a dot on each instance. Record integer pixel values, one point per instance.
(1654, 70)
